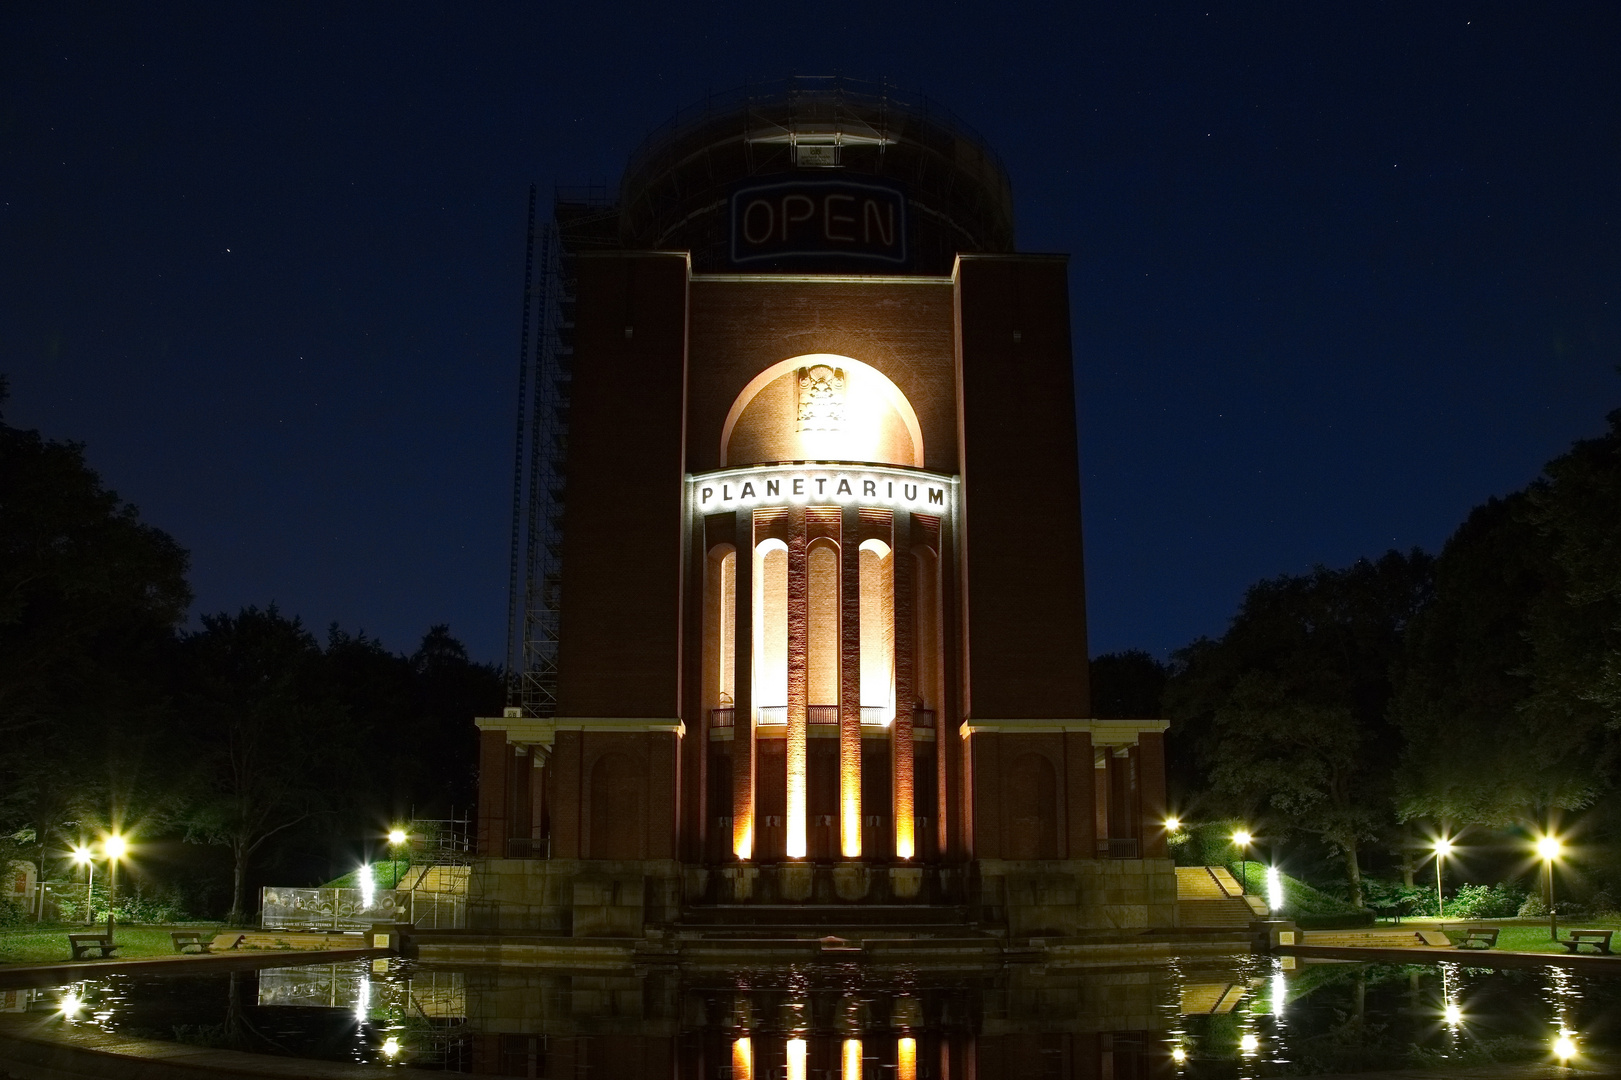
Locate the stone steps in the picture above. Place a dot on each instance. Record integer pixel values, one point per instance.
(756, 916)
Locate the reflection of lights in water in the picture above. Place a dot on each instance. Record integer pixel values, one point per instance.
(391, 1047)
(796, 1059)
(851, 1064)
(363, 1000)
(70, 1005)
(1179, 1055)
(1564, 1047)
(1280, 993)
(742, 1060)
(1452, 1014)
(1249, 1044)
(906, 1060)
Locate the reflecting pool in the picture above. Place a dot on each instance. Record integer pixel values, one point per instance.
(1240, 1017)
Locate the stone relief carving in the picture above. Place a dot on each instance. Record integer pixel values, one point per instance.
(821, 398)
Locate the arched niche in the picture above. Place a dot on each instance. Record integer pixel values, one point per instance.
(821, 407)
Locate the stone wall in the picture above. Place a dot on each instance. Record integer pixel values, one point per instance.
(576, 897)
(1064, 897)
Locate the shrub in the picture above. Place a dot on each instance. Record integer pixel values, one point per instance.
(12, 912)
(1350, 920)
(1485, 902)
(1405, 899)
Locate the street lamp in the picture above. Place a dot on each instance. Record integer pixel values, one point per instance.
(1443, 848)
(1549, 849)
(115, 847)
(87, 859)
(1243, 839)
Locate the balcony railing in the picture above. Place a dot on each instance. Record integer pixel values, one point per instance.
(1118, 848)
(819, 716)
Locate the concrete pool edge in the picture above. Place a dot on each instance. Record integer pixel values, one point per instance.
(32, 975)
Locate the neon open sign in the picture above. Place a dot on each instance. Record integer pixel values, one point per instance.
(813, 219)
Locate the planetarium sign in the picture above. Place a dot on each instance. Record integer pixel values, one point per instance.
(818, 484)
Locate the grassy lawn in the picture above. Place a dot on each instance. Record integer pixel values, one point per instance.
(1524, 935)
(49, 944)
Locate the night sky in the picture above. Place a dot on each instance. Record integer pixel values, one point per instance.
(1339, 272)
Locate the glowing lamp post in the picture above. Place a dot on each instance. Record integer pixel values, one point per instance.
(1549, 849)
(1443, 848)
(1243, 839)
(85, 858)
(115, 847)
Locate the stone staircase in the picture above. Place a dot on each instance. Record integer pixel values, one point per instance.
(1209, 897)
(835, 932)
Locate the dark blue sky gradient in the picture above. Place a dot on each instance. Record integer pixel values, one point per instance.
(1338, 275)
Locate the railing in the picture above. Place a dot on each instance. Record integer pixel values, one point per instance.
(1118, 848)
(329, 909)
(875, 714)
(722, 718)
(822, 715)
(529, 847)
(923, 718)
(773, 714)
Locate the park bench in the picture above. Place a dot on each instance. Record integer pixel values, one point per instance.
(187, 940)
(1479, 937)
(1599, 939)
(101, 944)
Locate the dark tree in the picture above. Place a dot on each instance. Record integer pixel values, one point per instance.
(271, 745)
(89, 600)
(1287, 710)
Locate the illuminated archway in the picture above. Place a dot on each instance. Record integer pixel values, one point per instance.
(836, 409)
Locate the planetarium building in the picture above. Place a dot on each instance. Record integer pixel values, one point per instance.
(799, 596)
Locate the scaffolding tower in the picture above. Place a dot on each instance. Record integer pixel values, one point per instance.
(581, 217)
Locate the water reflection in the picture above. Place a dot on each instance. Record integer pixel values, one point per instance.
(1238, 1018)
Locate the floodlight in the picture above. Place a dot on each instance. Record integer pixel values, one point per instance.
(115, 846)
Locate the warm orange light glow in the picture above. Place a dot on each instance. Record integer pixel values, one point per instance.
(850, 798)
(905, 814)
(852, 1060)
(796, 1059)
(742, 1059)
(743, 835)
(906, 1060)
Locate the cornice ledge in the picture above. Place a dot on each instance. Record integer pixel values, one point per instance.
(1103, 732)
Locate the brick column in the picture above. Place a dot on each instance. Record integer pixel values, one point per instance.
(1151, 792)
(1080, 795)
(798, 681)
(518, 825)
(743, 692)
(850, 683)
(902, 758)
(493, 758)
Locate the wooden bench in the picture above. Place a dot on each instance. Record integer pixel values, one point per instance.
(101, 944)
(1599, 939)
(1479, 937)
(187, 940)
